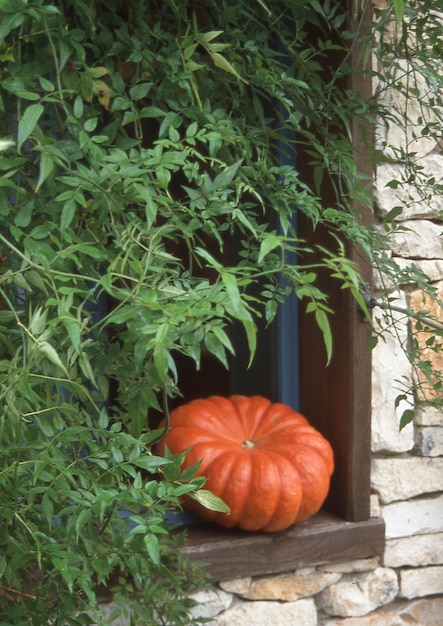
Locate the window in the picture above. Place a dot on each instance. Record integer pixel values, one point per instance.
(337, 401)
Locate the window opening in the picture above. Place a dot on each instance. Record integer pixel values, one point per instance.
(275, 370)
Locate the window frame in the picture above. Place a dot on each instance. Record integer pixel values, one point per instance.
(324, 538)
(338, 404)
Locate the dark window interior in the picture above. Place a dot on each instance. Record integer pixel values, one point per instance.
(262, 377)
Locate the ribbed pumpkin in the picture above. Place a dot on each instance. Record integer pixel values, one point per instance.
(269, 465)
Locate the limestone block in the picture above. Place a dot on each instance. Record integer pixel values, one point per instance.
(415, 551)
(433, 268)
(429, 415)
(263, 613)
(290, 587)
(350, 567)
(429, 440)
(404, 478)
(410, 268)
(420, 516)
(389, 366)
(417, 201)
(408, 116)
(422, 239)
(422, 581)
(359, 595)
(238, 586)
(210, 603)
(426, 612)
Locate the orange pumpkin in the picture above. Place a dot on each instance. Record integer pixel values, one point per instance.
(263, 459)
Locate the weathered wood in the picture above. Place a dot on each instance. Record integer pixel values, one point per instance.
(322, 539)
(359, 462)
(337, 399)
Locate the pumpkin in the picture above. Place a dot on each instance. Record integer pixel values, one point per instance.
(267, 463)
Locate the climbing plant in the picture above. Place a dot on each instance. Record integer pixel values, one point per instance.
(138, 139)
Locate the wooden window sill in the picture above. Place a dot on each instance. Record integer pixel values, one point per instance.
(322, 539)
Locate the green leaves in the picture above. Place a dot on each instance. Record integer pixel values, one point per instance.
(233, 291)
(241, 311)
(269, 243)
(225, 177)
(399, 9)
(28, 122)
(47, 165)
(51, 353)
(146, 214)
(213, 50)
(321, 317)
(220, 61)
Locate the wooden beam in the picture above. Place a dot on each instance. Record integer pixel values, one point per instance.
(323, 539)
(337, 399)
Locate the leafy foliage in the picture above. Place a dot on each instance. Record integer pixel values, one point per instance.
(139, 139)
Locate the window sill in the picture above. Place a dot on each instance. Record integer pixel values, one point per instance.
(322, 539)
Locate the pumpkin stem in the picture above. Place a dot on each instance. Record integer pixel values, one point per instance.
(247, 443)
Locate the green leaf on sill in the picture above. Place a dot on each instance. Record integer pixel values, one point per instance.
(210, 501)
